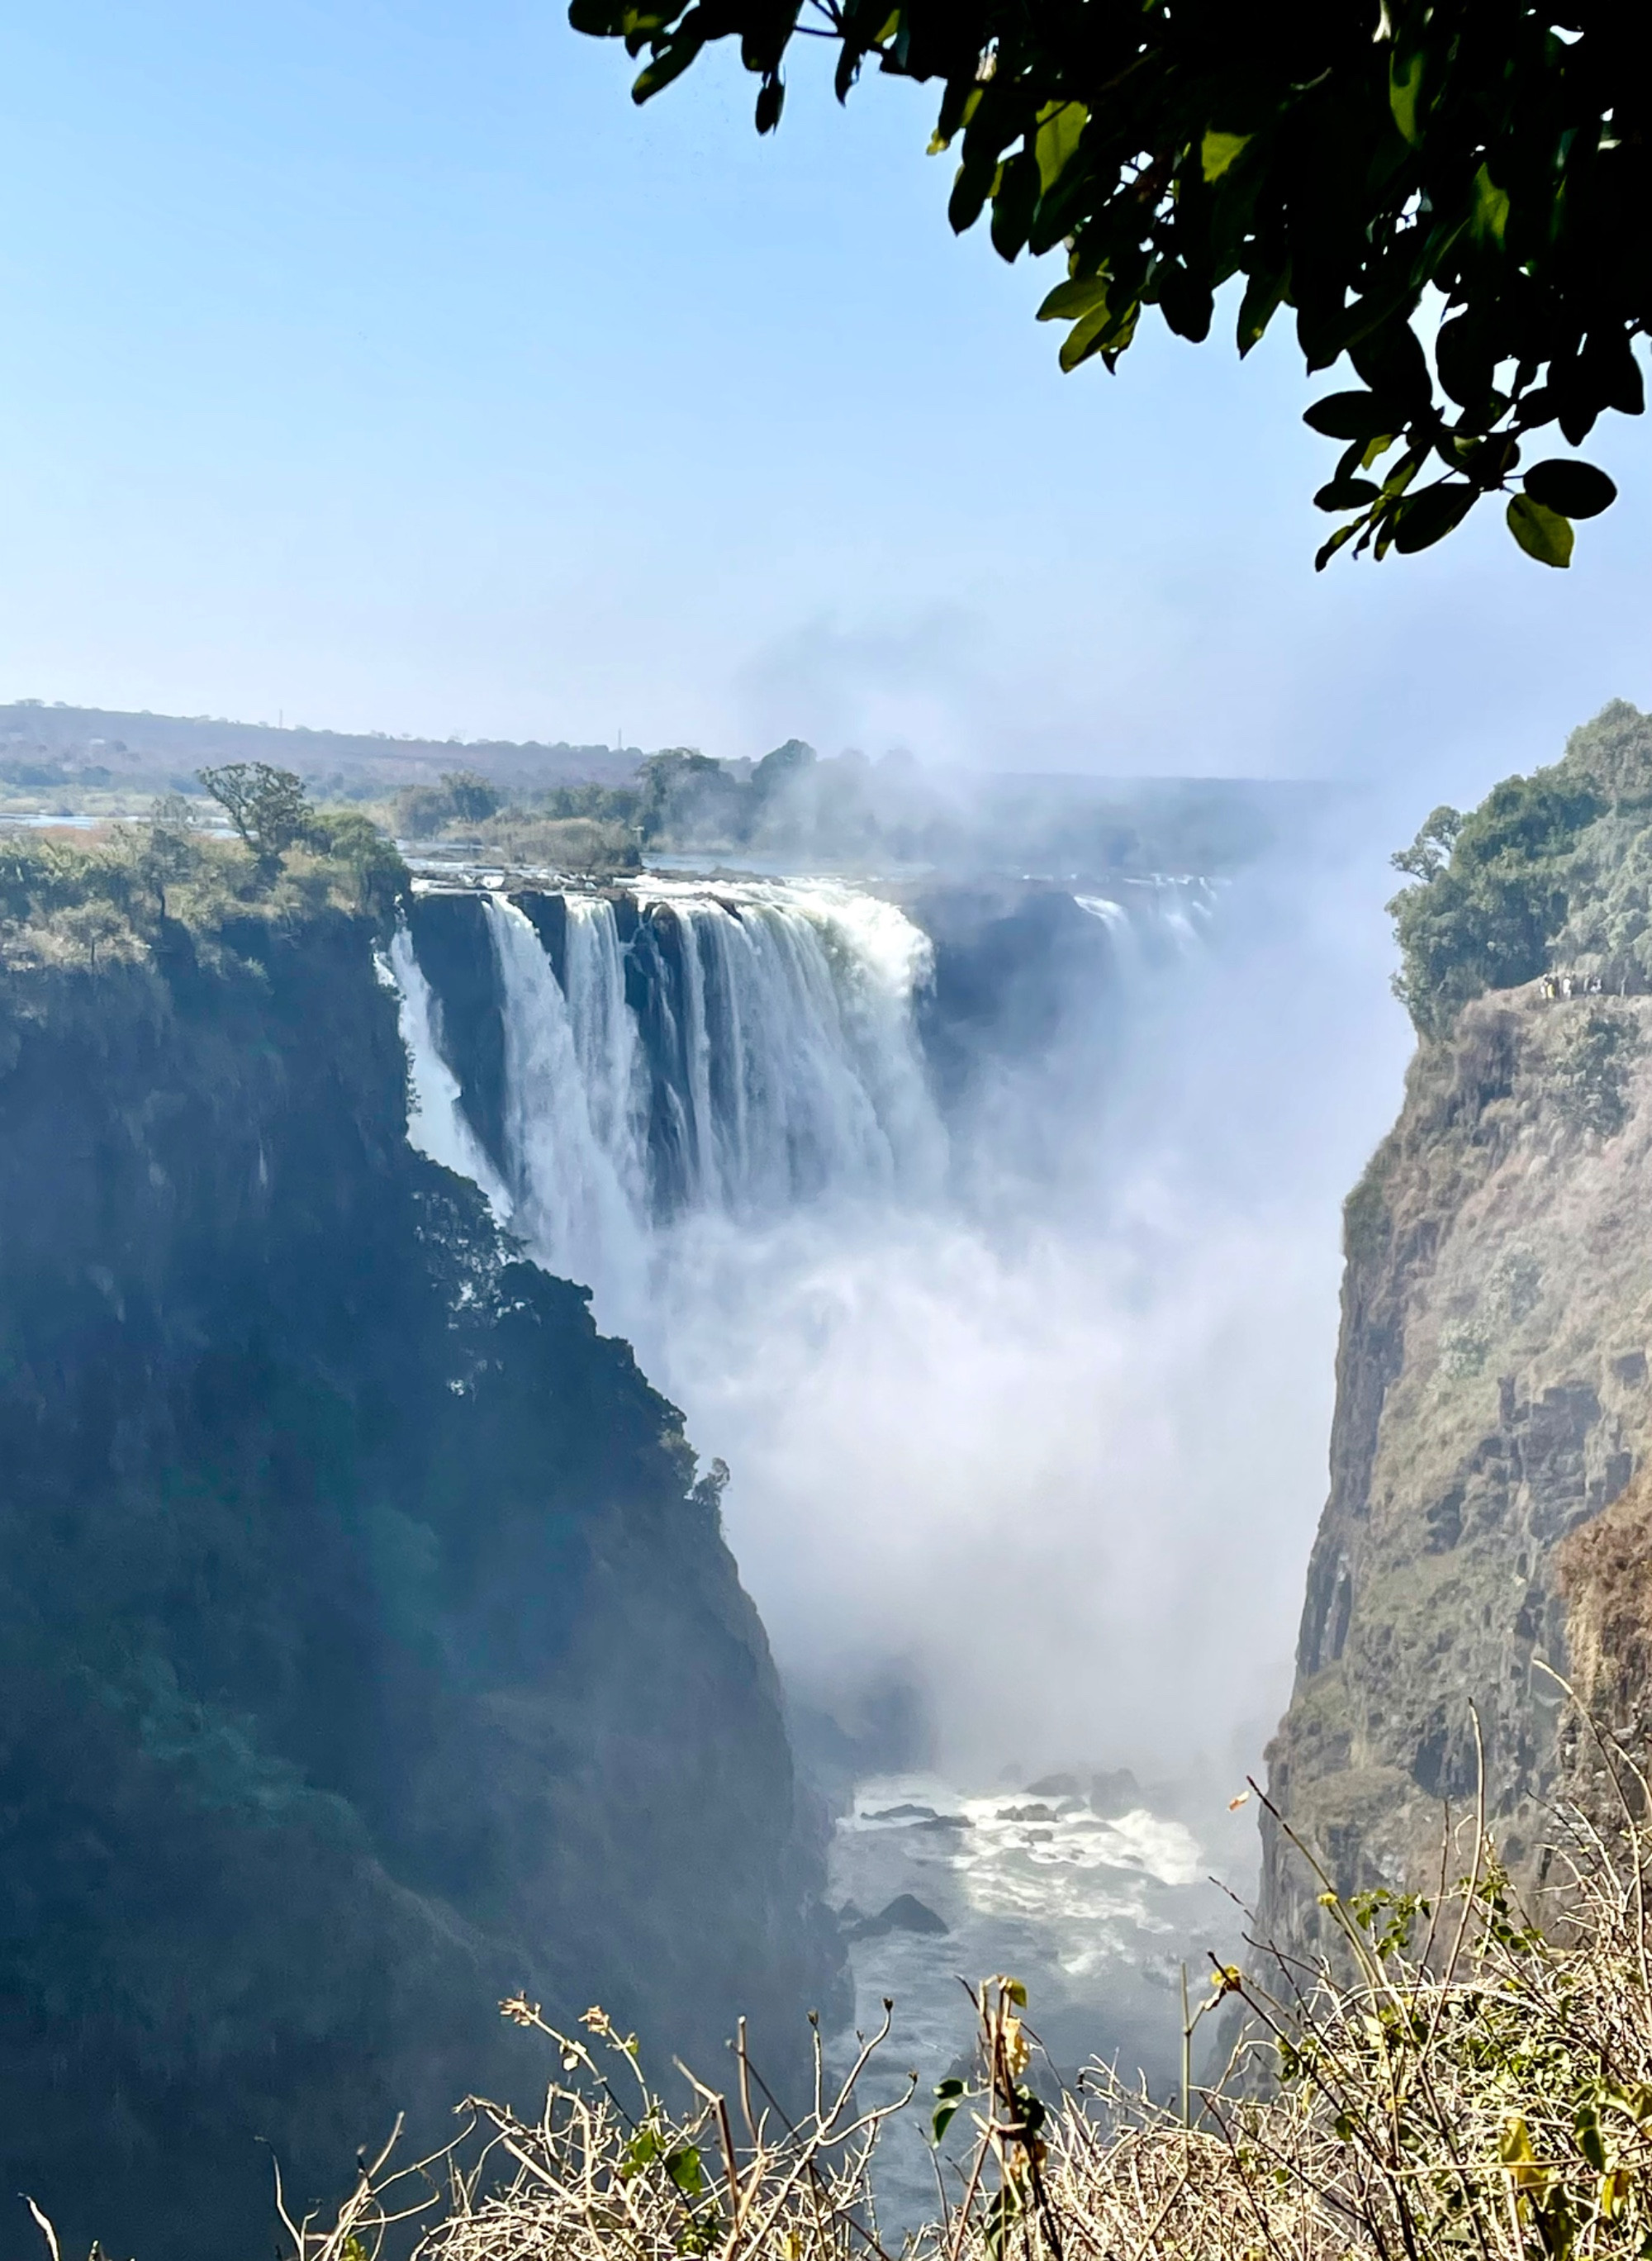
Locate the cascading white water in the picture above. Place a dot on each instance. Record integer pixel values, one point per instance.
(435, 1120)
(785, 1070)
(803, 1072)
(571, 1144)
(716, 1113)
(1040, 1436)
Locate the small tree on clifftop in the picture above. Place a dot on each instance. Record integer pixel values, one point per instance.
(269, 807)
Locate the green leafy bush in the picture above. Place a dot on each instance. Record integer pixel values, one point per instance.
(1553, 872)
(461, 798)
(109, 897)
(1489, 892)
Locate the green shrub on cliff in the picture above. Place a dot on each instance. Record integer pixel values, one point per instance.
(1551, 871)
(111, 897)
(461, 798)
(1489, 893)
(1596, 1056)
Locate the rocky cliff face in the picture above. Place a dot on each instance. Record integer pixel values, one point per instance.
(1493, 1395)
(368, 1651)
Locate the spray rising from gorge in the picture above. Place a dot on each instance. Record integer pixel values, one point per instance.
(880, 1191)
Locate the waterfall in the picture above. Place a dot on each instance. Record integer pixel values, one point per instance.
(1165, 910)
(570, 1145)
(803, 1075)
(686, 1054)
(435, 1121)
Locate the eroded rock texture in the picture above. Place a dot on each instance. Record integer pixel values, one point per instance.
(1493, 1399)
(367, 1649)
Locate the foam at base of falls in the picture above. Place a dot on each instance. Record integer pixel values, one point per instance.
(1094, 1909)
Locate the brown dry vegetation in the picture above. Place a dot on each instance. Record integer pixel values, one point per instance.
(1470, 2084)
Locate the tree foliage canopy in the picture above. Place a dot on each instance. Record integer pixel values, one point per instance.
(1362, 166)
(1552, 872)
(269, 807)
(1491, 893)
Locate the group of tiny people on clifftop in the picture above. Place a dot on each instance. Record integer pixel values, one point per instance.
(1554, 986)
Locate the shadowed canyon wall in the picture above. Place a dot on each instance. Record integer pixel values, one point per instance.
(370, 1652)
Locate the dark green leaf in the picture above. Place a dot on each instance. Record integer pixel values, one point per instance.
(1612, 373)
(667, 66)
(1069, 302)
(1087, 337)
(1264, 294)
(1346, 494)
(970, 192)
(1351, 416)
(1015, 200)
(1327, 550)
(1426, 517)
(1390, 357)
(1573, 490)
(1542, 534)
(1466, 363)
(1187, 305)
(1404, 85)
(1586, 2123)
(1489, 216)
(1060, 126)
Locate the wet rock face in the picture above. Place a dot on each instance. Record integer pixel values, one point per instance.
(1492, 1401)
(368, 1652)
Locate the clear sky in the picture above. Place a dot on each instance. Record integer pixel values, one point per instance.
(377, 364)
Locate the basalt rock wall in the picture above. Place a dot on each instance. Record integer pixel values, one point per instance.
(1493, 1403)
(368, 1650)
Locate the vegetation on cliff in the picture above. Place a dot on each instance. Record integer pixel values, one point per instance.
(368, 1649)
(1493, 1399)
(1552, 872)
(114, 898)
(1461, 2083)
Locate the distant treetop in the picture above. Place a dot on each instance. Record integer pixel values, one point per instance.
(1366, 167)
(1552, 871)
(269, 807)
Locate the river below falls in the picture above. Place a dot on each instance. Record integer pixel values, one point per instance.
(1074, 1886)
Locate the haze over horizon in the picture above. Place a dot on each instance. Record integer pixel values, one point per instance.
(384, 368)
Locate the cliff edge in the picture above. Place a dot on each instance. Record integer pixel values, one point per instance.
(1493, 1400)
(368, 1649)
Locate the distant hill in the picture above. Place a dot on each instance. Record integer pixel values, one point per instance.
(95, 745)
(89, 764)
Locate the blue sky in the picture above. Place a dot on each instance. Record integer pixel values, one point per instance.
(380, 366)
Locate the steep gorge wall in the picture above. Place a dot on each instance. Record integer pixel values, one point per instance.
(1493, 1400)
(368, 1651)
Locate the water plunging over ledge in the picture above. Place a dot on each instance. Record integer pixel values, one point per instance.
(859, 1179)
(688, 1052)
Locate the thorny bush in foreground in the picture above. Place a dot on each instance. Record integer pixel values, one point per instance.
(1461, 2084)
